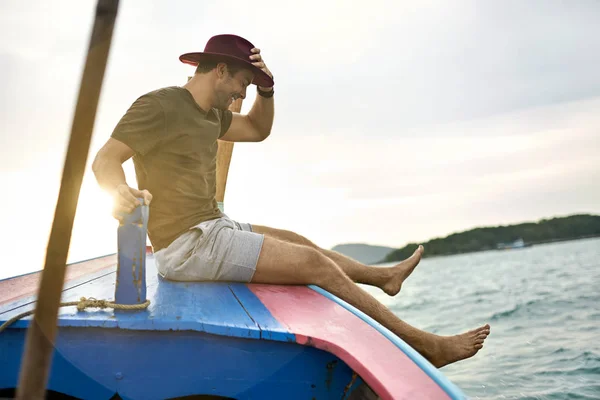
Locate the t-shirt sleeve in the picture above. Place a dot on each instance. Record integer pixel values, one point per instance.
(143, 125)
(226, 117)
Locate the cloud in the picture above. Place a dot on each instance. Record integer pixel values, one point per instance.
(349, 188)
(395, 120)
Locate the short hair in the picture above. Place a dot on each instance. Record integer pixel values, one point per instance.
(208, 65)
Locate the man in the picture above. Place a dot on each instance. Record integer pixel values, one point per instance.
(172, 134)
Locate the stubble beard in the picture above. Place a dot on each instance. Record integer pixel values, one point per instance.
(222, 100)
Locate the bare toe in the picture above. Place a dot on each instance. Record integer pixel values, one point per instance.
(460, 347)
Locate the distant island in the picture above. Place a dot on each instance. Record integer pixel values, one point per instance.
(495, 237)
(364, 253)
(486, 238)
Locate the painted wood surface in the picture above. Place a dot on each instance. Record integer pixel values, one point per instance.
(96, 363)
(14, 288)
(452, 390)
(198, 306)
(319, 322)
(270, 328)
(292, 314)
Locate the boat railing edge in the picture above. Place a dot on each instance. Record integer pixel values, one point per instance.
(450, 388)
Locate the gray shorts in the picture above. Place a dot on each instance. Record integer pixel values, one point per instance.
(217, 250)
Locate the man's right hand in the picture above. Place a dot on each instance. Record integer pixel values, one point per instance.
(126, 200)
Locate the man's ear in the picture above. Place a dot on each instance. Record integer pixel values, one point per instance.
(221, 70)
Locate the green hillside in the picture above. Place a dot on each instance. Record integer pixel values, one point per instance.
(488, 238)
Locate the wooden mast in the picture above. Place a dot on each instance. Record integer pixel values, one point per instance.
(41, 334)
(224, 154)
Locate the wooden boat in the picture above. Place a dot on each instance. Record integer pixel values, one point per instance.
(192, 340)
(218, 340)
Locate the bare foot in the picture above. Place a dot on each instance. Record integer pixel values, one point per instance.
(459, 347)
(400, 272)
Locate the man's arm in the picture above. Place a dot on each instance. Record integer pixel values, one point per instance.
(107, 165)
(108, 169)
(255, 126)
(138, 132)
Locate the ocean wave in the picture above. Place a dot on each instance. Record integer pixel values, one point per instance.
(592, 298)
(515, 309)
(585, 363)
(414, 306)
(516, 328)
(504, 314)
(545, 332)
(586, 356)
(483, 292)
(560, 395)
(570, 371)
(540, 306)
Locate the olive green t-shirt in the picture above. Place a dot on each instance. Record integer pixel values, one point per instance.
(175, 144)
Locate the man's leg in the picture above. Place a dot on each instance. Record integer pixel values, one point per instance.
(388, 279)
(283, 263)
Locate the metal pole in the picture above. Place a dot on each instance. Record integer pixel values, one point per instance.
(39, 345)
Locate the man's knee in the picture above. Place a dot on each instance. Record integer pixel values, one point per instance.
(296, 238)
(323, 270)
(285, 235)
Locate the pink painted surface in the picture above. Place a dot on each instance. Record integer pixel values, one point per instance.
(13, 289)
(319, 322)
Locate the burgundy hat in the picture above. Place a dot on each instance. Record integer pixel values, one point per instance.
(229, 48)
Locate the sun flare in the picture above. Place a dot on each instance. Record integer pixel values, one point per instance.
(94, 229)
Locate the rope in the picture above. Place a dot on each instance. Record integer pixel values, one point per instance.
(81, 305)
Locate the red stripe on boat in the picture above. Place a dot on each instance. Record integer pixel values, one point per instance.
(12, 289)
(319, 322)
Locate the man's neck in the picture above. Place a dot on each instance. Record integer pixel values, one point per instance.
(200, 87)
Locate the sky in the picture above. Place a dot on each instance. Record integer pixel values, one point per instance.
(396, 121)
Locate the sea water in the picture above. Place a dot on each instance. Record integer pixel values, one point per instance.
(543, 305)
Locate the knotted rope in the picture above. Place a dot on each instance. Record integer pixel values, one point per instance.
(81, 305)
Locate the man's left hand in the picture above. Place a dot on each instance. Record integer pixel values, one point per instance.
(258, 62)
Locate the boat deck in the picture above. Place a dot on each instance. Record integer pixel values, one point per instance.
(301, 315)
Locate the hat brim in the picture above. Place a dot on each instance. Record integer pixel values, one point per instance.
(260, 77)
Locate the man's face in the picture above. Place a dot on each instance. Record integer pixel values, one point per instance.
(232, 87)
